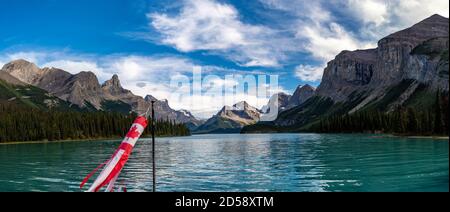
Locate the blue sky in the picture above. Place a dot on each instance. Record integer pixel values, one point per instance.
(151, 40)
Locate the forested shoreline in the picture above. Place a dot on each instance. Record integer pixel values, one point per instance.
(19, 123)
(402, 121)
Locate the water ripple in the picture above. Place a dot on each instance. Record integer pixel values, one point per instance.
(271, 162)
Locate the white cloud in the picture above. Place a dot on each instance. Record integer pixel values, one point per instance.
(412, 11)
(382, 17)
(325, 40)
(309, 73)
(202, 25)
(369, 11)
(151, 75)
(322, 36)
(134, 67)
(31, 56)
(224, 82)
(216, 27)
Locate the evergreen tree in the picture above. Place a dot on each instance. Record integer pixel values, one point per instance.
(412, 122)
(438, 125)
(24, 124)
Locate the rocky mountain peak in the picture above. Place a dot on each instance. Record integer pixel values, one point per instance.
(230, 119)
(114, 82)
(301, 94)
(241, 109)
(431, 27)
(243, 105)
(113, 89)
(23, 70)
(87, 79)
(435, 18)
(19, 64)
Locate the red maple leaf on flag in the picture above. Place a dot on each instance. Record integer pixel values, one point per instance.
(133, 133)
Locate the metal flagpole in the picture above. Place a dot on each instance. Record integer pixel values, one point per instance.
(153, 147)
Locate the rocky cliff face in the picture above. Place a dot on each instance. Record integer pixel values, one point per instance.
(428, 63)
(348, 72)
(278, 101)
(373, 71)
(112, 89)
(23, 70)
(404, 70)
(77, 89)
(55, 80)
(83, 89)
(10, 79)
(301, 94)
(394, 59)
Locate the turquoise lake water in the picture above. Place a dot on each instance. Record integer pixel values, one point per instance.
(269, 162)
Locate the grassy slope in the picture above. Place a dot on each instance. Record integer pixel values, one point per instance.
(34, 97)
(31, 96)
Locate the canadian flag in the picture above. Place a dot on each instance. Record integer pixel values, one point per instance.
(113, 166)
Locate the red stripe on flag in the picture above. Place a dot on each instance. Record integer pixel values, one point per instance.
(92, 173)
(126, 147)
(120, 164)
(142, 121)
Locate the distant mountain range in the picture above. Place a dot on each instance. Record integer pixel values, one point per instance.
(231, 119)
(52, 88)
(25, 83)
(404, 71)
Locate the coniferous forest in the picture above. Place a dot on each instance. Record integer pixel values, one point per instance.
(401, 121)
(26, 124)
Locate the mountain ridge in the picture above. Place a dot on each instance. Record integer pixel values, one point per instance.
(230, 119)
(83, 89)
